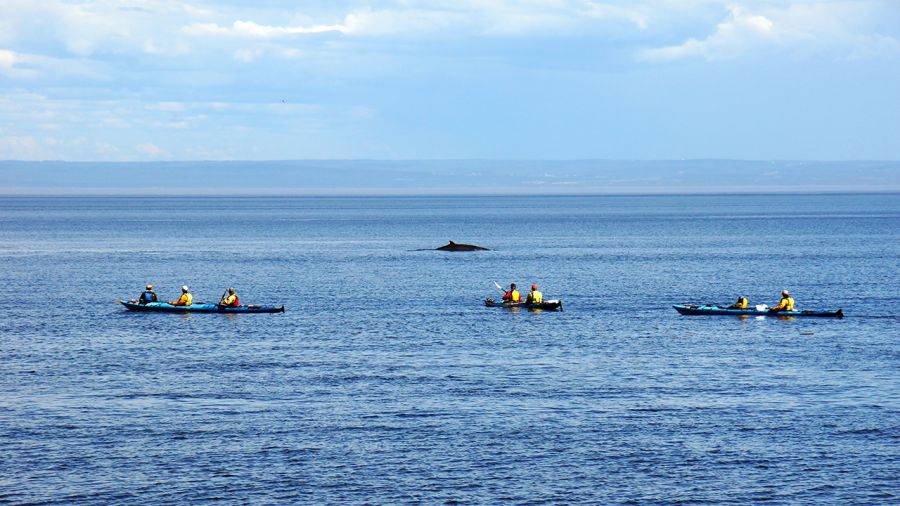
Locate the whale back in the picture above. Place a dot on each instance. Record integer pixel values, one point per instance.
(452, 246)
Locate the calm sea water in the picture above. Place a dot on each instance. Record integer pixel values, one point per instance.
(387, 381)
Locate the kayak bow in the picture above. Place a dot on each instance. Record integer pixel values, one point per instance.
(199, 308)
(694, 309)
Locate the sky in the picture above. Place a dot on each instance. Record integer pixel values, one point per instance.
(162, 80)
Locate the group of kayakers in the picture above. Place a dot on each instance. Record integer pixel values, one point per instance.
(512, 295)
(186, 299)
(786, 304)
(230, 298)
(536, 297)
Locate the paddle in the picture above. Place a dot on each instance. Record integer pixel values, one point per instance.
(499, 287)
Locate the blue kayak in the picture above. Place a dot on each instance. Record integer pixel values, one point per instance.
(549, 305)
(694, 309)
(199, 308)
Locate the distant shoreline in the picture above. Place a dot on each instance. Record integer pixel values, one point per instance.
(444, 195)
(445, 178)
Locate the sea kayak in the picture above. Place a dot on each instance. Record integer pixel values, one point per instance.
(694, 309)
(199, 308)
(548, 305)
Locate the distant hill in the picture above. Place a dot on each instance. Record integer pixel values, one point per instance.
(444, 177)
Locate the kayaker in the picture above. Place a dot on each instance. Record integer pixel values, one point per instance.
(512, 295)
(534, 296)
(148, 295)
(186, 298)
(740, 304)
(231, 300)
(786, 304)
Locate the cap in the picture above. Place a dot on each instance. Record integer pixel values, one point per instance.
(534, 287)
(149, 287)
(231, 290)
(784, 292)
(184, 288)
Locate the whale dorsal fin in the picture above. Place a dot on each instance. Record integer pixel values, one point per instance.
(451, 242)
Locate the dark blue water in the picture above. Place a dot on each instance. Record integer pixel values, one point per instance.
(387, 381)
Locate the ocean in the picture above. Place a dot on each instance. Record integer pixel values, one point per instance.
(388, 381)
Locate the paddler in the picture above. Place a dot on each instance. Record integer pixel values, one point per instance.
(186, 298)
(512, 295)
(786, 304)
(148, 295)
(231, 300)
(534, 296)
(740, 304)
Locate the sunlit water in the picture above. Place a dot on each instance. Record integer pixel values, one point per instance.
(387, 380)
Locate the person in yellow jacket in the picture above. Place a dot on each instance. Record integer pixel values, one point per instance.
(512, 295)
(740, 304)
(786, 304)
(231, 300)
(186, 298)
(534, 296)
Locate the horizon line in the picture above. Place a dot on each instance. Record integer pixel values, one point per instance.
(452, 195)
(581, 159)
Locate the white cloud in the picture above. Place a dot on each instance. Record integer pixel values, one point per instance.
(150, 149)
(609, 11)
(18, 65)
(731, 38)
(8, 59)
(247, 55)
(369, 22)
(841, 29)
(106, 151)
(98, 27)
(16, 147)
(167, 106)
(250, 29)
(437, 18)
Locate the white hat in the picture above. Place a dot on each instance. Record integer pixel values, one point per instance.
(184, 288)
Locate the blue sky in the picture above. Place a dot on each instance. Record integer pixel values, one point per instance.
(145, 80)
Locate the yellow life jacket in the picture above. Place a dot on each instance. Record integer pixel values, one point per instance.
(535, 297)
(788, 303)
(742, 302)
(515, 296)
(185, 300)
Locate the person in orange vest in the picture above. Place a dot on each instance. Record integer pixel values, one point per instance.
(186, 298)
(786, 304)
(512, 295)
(231, 300)
(534, 296)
